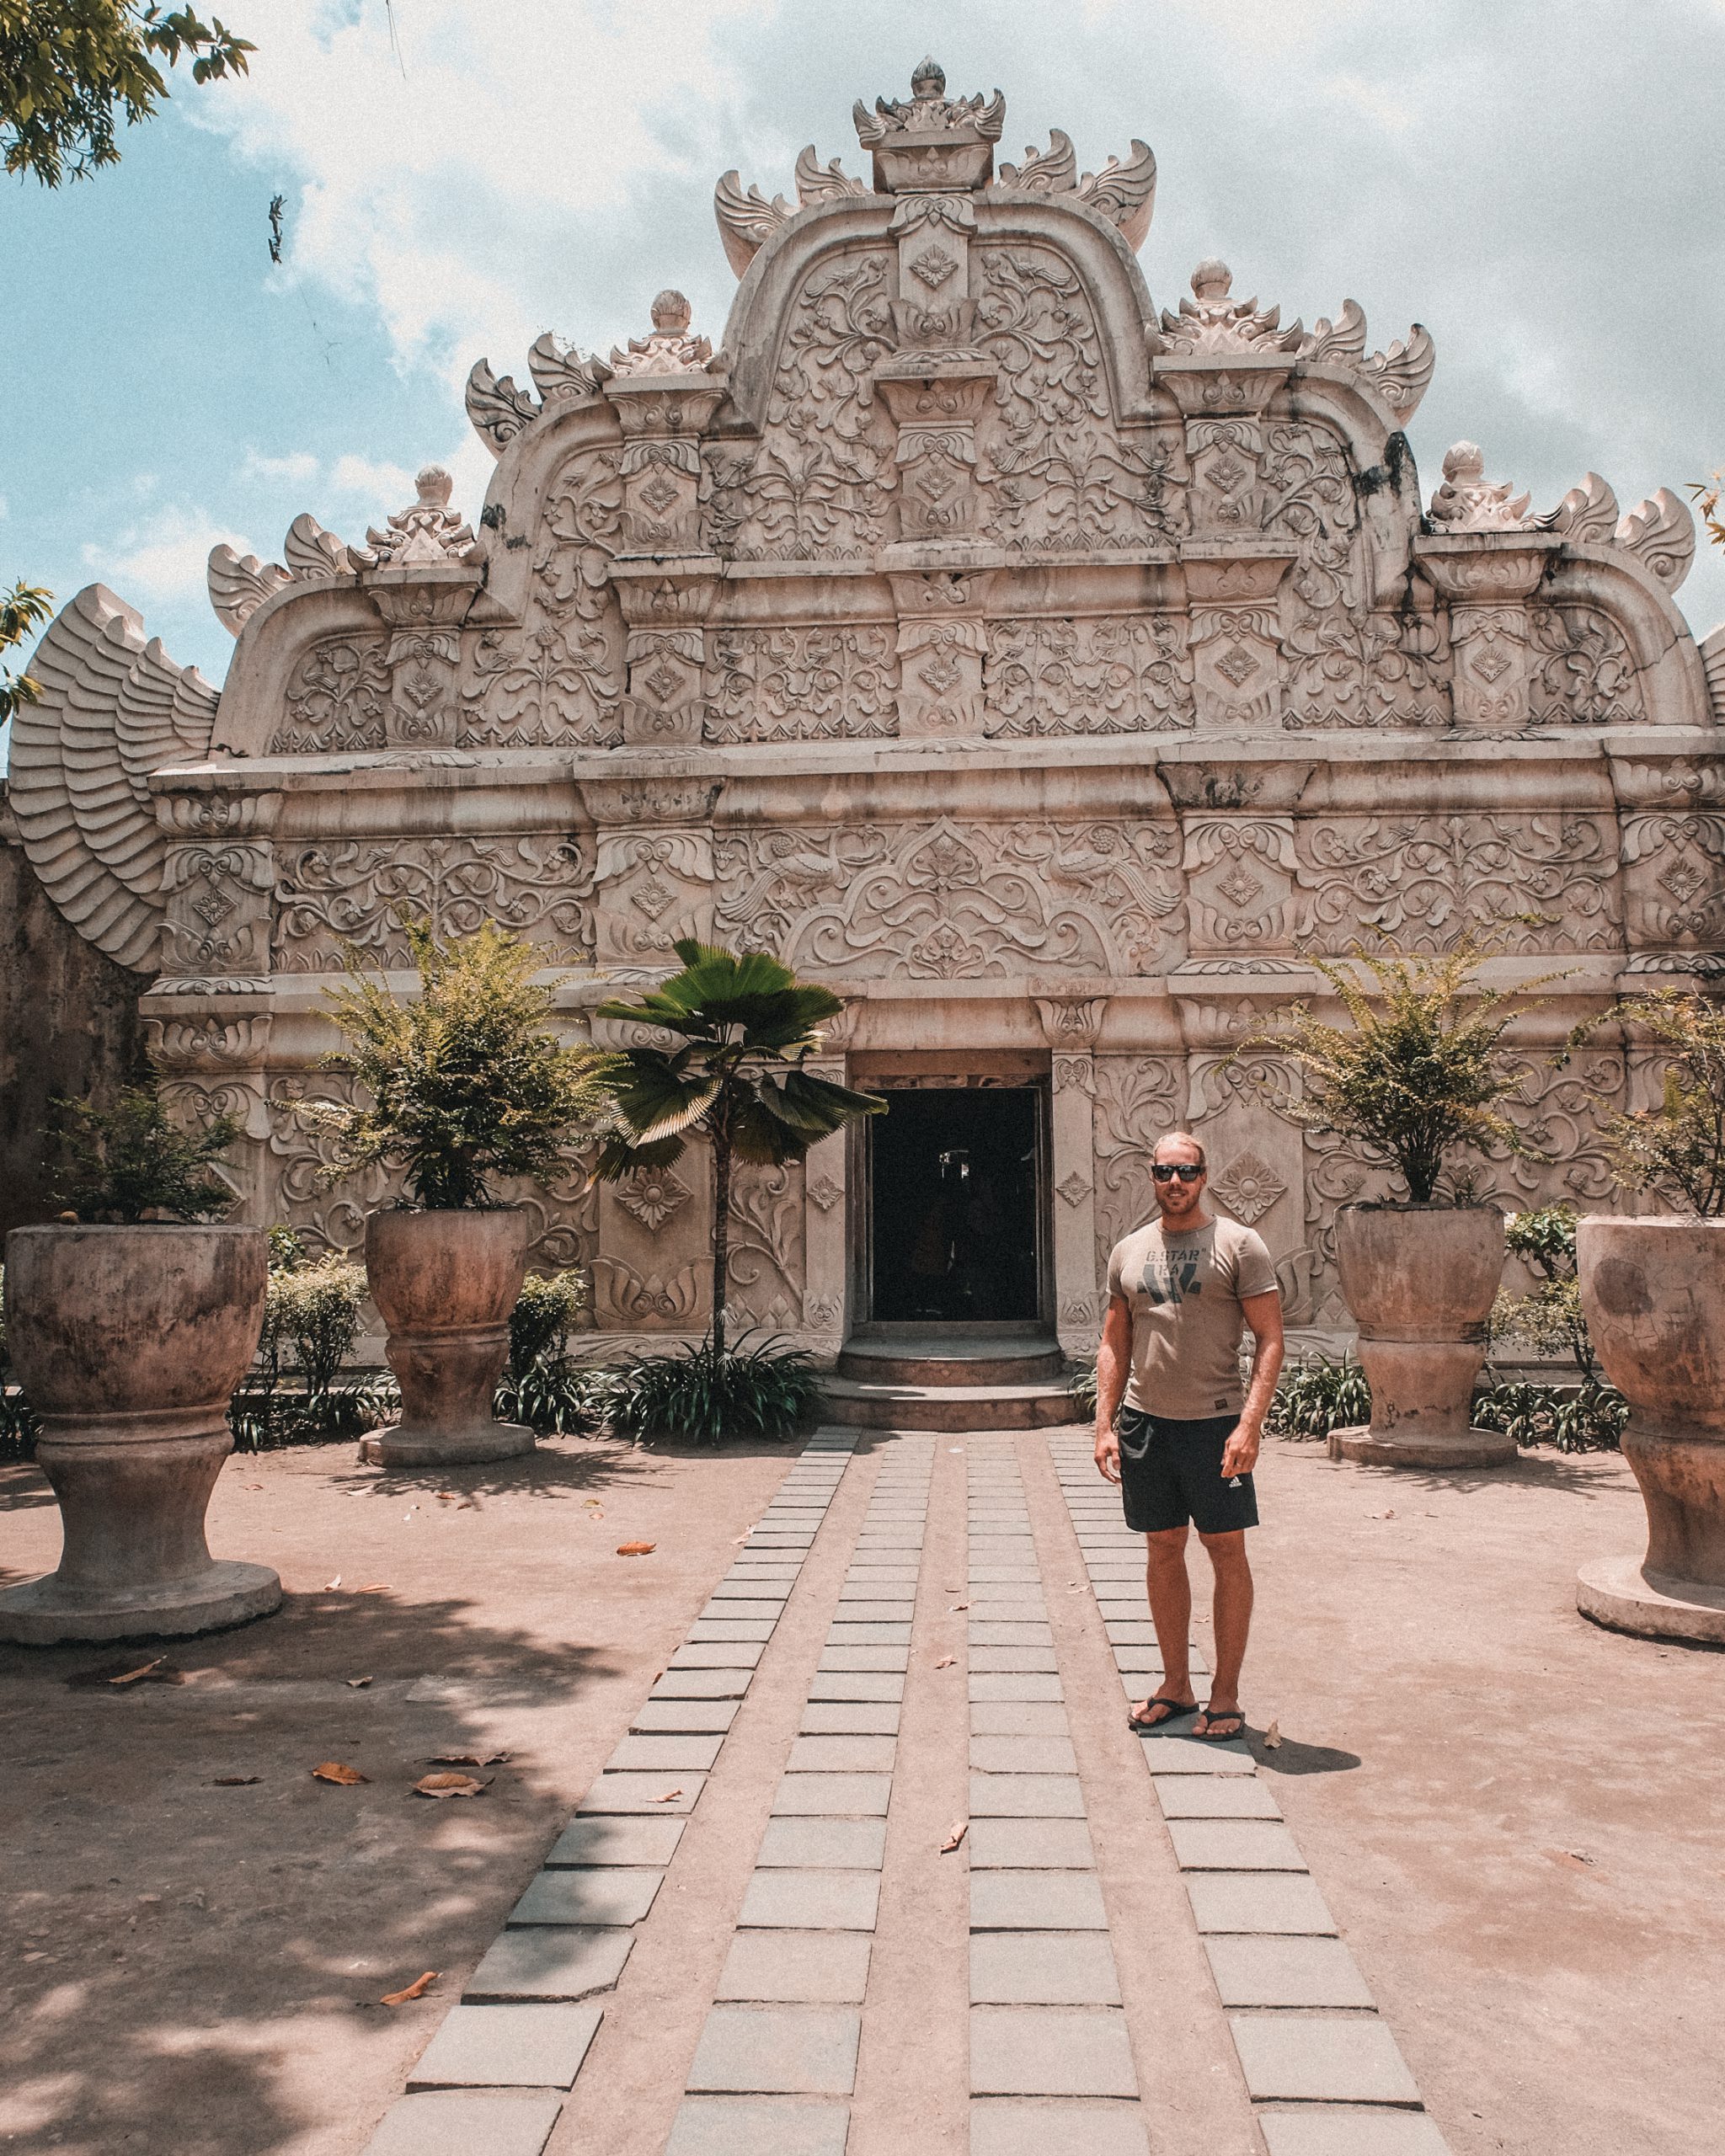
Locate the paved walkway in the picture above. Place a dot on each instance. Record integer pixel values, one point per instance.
(880, 1869)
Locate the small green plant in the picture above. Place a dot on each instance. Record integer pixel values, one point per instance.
(1677, 1150)
(542, 1385)
(1549, 1322)
(1418, 1072)
(1081, 1383)
(120, 1164)
(468, 1082)
(312, 1309)
(1319, 1394)
(703, 1393)
(1590, 1418)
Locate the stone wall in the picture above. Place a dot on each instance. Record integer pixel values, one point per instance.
(69, 1024)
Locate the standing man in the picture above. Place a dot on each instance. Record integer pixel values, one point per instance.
(1180, 1293)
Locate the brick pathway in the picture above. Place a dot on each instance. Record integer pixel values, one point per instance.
(1125, 1950)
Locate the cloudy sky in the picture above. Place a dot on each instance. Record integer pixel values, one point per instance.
(1539, 185)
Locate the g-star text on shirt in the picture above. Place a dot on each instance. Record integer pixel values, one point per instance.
(1170, 1279)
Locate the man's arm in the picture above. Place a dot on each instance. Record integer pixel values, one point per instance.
(1113, 1358)
(1264, 1314)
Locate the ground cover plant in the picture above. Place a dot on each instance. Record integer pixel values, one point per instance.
(1587, 1416)
(543, 1385)
(1319, 1394)
(703, 1393)
(313, 1310)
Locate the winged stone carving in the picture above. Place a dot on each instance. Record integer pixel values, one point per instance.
(113, 707)
(560, 371)
(1402, 375)
(824, 182)
(746, 220)
(497, 408)
(239, 583)
(1125, 194)
(315, 555)
(1586, 514)
(1661, 532)
(1052, 171)
(1340, 343)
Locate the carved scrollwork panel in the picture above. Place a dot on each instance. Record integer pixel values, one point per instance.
(801, 684)
(1427, 879)
(950, 901)
(1581, 672)
(767, 1262)
(350, 892)
(1138, 1099)
(1109, 676)
(338, 697)
(1673, 877)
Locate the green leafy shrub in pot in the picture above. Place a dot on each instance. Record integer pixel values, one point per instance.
(131, 1163)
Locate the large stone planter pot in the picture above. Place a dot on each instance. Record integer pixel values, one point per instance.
(128, 1342)
(445, 1283)
(1420, 1281)
(1654, 1294)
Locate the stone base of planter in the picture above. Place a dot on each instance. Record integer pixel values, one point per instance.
(1473, 1448)
(396, 1448)
(1615, 1592)
(44, 1613)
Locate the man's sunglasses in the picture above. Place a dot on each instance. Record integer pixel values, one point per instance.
(1166, 1170)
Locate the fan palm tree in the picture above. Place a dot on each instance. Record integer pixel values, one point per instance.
(746, 1025)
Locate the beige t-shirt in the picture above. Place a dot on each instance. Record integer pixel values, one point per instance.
(1184, 1291)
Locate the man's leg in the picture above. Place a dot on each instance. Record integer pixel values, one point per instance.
(1232, 1613)
(1169, 1592)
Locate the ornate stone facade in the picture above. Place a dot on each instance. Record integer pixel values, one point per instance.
(1045, 670)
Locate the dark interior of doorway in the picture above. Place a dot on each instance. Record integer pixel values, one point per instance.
(954, 1194)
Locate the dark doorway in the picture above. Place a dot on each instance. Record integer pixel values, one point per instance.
(955, 1206)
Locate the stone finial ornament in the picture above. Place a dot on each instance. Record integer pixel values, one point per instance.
(746, 219)
(496, 408)
(1211, 322)
(930, 111)
(1467, 501)
(239, 583)
(1661, 532)
(430, 530)
(669, 348)
(1401, 377)
(824, 182)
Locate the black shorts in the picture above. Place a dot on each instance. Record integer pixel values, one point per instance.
(1172, 1472)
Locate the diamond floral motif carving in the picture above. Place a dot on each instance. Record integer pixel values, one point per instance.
(1075, 1189)
(1248, 1187)
(1240, 887)
(653, 1196)
(825, 1193)
(1238, 664)
(934, 265)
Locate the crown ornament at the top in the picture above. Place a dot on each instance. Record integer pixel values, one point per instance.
(669, 349)
(931, 143)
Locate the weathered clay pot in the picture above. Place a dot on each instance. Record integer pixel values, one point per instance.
(1420, 1281)
(445, 1284)
(1652, 1291)
(128, 1342)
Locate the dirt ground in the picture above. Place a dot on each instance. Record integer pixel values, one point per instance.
(1517, 1818)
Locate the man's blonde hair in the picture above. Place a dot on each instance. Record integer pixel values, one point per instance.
(1180, 1138)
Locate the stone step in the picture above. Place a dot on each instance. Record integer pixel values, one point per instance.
(948, 1407)
(951, 1355)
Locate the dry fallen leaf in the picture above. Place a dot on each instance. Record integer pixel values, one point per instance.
(468, 1758)
(144, 1669)
(333, 1770)
(447, 1496)
(1273, 1738)
(376, 1587)
(956, 1608)
(955, 1834)
(636, 1549)
(357, 1684)
(946, 1662)
(416, 1989)
(330, 1586)
(253, 1485)
(449, 1785)
(235, 1781)
(1570, 1859)
(671, 1797)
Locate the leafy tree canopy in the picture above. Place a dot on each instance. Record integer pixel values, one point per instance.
(70, 70)
(21, 609)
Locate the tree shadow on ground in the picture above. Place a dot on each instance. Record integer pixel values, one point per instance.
(179, 1942)
(22, 1487)
(569, 1467)
(1562, 1471)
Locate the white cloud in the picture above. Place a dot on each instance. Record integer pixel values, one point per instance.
(163, 561)
(298, 468)
(386, 486)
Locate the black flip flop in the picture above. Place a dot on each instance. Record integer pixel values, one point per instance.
(1154, 1728)
(1222, 1714)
